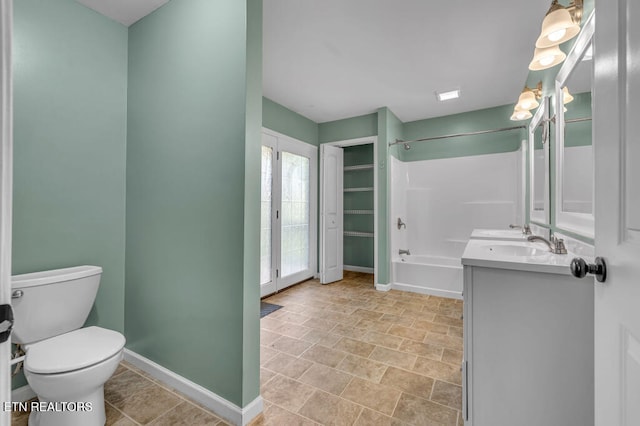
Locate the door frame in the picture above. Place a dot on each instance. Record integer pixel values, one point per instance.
(373, 140)
(312, 150)
(6, 191)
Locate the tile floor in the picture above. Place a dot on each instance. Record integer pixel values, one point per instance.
(134, 398)
(338, 354)
(346, 354)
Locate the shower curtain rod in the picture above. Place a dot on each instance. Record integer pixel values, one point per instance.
(455, 135)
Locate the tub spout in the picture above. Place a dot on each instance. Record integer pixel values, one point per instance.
(401, 252)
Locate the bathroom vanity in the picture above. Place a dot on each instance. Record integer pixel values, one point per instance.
(528, 337)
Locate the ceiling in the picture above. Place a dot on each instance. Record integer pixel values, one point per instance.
(334, 59)
(126, 12)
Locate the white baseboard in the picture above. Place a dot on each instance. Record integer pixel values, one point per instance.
(426, 290)
(353, 268)
(22, 394)
(222, 407)
(383, 287)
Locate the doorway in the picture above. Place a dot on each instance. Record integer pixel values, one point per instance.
(348, 208)
(288, 222)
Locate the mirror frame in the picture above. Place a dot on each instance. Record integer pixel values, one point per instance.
(578, 223)
(541, 116)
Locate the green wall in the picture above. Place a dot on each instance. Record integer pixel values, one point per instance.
(484, 119)
(193, 115)
(70, 106)
(348, 128)
(281, 119)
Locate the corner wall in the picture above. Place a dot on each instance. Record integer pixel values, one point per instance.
(191, 136)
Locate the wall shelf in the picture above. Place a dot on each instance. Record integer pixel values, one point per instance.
(358, 234)
(358, 167)
(358, 189)
(358, 212)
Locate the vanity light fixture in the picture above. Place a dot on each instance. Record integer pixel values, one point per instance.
(560, 24)
(546, 57)
(520, 114)
(446, 96)
(528, 99)
(566, 96)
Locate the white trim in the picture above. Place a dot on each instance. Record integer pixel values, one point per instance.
(383, 287)
(210, 400)
(426, 290)
(22, 394)
(540, 117)
(578, 223)
(6, 189)
(298, 147)
(353, 268)
(373, 140)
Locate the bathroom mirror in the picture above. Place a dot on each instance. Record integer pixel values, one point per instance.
(574, 144)
(539, 164)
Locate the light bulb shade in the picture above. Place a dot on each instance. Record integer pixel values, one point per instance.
(566, 96)
(547, 57)
(557, 27)
(527, 101)
(520, 114)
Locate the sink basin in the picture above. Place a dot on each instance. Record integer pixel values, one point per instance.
(498, 234)
(516, 251)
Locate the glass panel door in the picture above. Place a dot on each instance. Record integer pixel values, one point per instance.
(294, 255)
(266, 205)
(288, 216)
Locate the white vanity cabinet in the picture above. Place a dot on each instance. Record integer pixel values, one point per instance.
(528, 342)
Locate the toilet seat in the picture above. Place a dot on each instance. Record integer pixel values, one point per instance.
(72, 351)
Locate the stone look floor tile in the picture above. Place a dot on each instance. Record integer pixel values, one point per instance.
(431, 326)
(324, 355)
(290, 345)
(407, 333)
(419, 411)
(278, 416)
(287, 393)
(328, 409)
(382, 339)
(124, 385)
(187, 414)
(406, 381)
(373, 418)
(354, 347)
(266, 354)
(447, 394)
(451, 356)
(148, 403)
(395, 358)
(288, 365)
(450, 342)
(438, 370)
(363, 368)
(378, 397)
(268, 337)
(326, 378)
(421, 349)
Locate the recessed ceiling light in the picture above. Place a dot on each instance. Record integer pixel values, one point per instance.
(446, 96)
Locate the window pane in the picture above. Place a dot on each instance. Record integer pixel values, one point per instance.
(295, 213)
(265, 214)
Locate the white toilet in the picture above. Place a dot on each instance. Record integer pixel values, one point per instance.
(64, 363)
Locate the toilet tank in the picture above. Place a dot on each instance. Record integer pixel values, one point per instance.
(49, 303)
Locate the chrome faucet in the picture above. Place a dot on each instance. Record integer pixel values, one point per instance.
(401, 252)
(556, 245)
(526, 229)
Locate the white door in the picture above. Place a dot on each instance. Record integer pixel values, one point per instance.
(6, 167)
(617, 213)
(288, 252)
(331, 213)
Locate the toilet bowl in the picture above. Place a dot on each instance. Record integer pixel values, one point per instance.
(65, 365)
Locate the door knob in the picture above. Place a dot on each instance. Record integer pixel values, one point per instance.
(580, 268)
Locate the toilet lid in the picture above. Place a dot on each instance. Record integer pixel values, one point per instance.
(72, 351)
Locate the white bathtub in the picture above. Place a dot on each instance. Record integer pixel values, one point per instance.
(440, 276)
